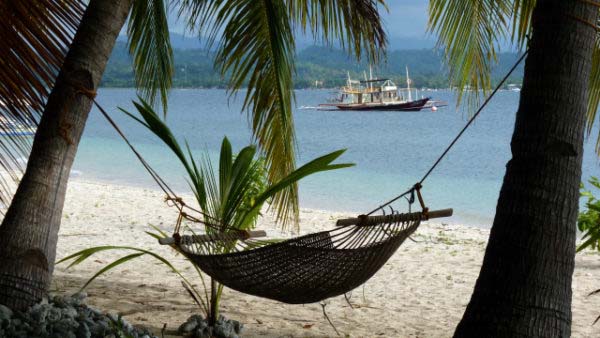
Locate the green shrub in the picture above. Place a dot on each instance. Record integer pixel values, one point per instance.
(589, 219)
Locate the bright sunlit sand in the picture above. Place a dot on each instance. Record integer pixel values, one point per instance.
(421, 292)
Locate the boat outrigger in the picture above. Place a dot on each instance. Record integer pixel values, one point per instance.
(377, 94)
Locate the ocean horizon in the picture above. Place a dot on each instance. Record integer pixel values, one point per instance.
(391, 150)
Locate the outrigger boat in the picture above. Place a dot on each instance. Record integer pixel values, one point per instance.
(377, 94)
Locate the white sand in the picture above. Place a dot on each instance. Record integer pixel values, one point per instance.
(421, 292)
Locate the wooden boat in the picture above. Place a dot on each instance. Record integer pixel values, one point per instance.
(377, 94)
(415, 105)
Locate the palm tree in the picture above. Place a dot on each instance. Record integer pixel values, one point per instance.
(524, 287)
(65, 45)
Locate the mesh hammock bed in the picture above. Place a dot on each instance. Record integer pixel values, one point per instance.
(304, 269)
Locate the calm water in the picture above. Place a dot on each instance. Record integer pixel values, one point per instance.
(392, 150)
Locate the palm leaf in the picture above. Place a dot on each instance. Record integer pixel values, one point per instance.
(355, 24)
(594, 91)
(521, 23)
(320, 164)
(35, 39)
(152, 121)
(257, 48)
(150, 46)
(469, 32)
(110, 266)
(82, 255)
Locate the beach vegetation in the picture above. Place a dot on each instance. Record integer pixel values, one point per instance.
(589, 219)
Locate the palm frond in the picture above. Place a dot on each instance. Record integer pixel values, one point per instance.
(355, 24)
(80, 256)
(521, 23)
(469, 32)
(150, 46)
(320, 164)
(594, 91)
(36, 36)
(256, 46)
(257, 49)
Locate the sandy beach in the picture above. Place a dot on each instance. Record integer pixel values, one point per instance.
(421, 292)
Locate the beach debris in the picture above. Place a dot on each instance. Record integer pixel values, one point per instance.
(65, 317)
(197, 327)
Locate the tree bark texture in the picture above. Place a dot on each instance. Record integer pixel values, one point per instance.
(524, 287)
(29, 231)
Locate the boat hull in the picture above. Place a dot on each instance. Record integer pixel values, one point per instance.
(416, 105)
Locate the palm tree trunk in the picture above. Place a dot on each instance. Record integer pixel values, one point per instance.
(524, 287)
(29, 232)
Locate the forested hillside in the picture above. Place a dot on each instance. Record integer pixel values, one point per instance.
(194, 68)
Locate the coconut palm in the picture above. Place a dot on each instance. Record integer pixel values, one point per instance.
(52, 63)
(524, 287)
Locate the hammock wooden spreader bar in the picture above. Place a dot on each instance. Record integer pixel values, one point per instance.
(204, 238)
(374, 220)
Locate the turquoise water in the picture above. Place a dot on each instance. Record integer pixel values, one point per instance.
(392, 150)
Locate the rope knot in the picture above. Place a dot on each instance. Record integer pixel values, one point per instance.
(89, 93)
(175, 200)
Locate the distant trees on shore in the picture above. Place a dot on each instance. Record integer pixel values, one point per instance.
(194, 68)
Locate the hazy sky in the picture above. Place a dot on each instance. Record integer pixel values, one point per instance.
(406, 18)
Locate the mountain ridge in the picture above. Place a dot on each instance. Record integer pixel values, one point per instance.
(315, 64)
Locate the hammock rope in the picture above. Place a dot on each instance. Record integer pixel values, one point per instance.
(308, 268)
(418, 185)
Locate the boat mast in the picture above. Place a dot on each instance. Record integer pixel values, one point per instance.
(349, 82)
(371, 76)
(408, 84)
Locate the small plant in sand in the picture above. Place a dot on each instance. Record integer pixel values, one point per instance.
(589, 222)
(230, 198)
(589, 219)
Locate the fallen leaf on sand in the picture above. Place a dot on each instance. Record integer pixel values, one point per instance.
(307, 326)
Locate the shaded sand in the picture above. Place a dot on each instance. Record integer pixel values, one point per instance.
(421, 292)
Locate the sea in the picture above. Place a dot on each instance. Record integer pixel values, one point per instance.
(391, 150)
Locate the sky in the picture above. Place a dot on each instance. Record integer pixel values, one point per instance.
(407, 18)
(406, 25)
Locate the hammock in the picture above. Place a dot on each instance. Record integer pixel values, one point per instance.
(304, 269)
